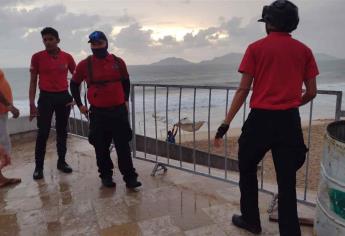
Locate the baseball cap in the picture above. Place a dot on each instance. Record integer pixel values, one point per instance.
(97, 36)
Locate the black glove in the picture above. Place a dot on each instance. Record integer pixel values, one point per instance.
(223, 128)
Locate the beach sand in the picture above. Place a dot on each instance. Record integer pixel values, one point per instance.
(315, 152)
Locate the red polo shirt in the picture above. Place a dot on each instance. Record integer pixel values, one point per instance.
(52, 71)
(104, 95)
(279, 65)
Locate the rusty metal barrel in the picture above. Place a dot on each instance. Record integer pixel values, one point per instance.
(330, 203)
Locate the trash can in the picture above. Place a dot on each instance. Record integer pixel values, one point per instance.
(330, 203)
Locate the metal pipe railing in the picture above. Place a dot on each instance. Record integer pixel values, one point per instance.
(182, 160)
(209, 171)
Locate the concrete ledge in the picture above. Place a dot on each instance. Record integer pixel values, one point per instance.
(19, 137)
(173, 151)
(21, 125)
(185, 154)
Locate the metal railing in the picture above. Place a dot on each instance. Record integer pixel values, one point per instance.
(161, 162)
(148, 146)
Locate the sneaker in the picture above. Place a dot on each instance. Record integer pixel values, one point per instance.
(239, 222)
(64, 167)
(38, 174)
(109, 183)
(133, 183)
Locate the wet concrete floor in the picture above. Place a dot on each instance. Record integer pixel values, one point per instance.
(172, 204)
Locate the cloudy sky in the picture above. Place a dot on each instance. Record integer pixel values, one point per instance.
(145, 31)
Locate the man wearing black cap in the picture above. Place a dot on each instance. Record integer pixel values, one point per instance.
(108, 92)
(278, 66)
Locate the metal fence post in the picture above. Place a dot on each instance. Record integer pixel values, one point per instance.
(338, 111)
(308, 153)
(133, 120)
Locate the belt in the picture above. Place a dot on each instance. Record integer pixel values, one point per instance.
(59, 92)
(112, 108)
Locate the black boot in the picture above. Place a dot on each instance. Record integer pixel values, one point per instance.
(64, 167)
(239, 222)
(132, 182)
(108, 182)
(38, 173)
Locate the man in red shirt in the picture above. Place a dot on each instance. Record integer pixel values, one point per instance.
(278, 66)
(50, 67)
(108, 92)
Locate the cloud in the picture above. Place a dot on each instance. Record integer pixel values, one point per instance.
(125, 18)
(169, 41)
(56, 16)
(201, 39)
(229, 29)
(186, 1)
(137, 44)
(134, 38)
(20, 31)
(240, 34)
(13, 2)
(321, 27)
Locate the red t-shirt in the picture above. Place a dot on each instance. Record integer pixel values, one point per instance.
(107, 69)
(279, 65)
(52, 71)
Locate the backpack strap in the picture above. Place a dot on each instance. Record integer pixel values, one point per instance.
(119, 65)
(89, 69)
(123, 76)
(102, 82)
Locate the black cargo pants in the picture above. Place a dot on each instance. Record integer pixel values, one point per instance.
(109, 125)
(278, 131)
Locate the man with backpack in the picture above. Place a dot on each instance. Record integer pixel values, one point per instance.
(108, 93)
(278, 66)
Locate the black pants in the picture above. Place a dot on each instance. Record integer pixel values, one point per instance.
(109, 125)
(280, 132)
(48, 103)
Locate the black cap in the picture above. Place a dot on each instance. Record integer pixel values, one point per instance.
(282, 14)
(97, 36)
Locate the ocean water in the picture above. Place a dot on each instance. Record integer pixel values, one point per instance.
(331, 78)
(19, 78)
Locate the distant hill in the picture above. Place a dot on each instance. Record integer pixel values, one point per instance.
(325, 57)
(231, 58)
(173, 61)
(235, 58)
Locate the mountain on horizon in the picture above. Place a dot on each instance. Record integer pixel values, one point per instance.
(231, 59)
(172, 61)
(326, 57)
(226, 59)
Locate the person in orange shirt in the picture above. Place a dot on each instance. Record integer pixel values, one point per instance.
(6, 105)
